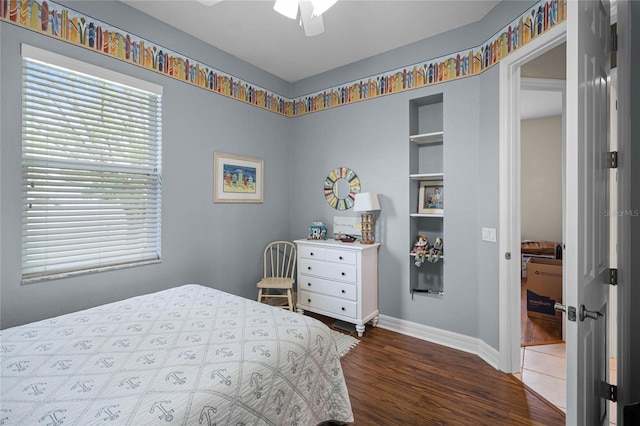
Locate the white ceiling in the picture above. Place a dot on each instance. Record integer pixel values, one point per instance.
(551, 65)
(354, 29)
(540, 103)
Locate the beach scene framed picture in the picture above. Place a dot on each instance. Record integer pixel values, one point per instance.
(237, 179)
(431, 199)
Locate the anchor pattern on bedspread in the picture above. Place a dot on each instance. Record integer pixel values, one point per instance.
(134, 362)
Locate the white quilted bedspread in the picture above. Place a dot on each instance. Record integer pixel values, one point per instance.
(190, 355)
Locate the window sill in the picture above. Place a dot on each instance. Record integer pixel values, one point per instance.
(70, 274)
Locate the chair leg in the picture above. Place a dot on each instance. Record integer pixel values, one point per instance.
(259, 295)
(290, 299)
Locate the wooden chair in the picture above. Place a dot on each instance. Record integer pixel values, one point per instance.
(278, 277)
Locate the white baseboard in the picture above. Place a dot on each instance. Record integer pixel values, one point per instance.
(442, 337)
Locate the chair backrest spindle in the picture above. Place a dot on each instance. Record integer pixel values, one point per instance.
(279, 259)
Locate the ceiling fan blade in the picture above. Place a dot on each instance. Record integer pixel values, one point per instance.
(288, 8)
(321, 6)
(312, 25)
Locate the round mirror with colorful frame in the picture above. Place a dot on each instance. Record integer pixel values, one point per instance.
(340, 188)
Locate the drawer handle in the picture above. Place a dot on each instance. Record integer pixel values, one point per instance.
(343, 292)
(311, 254)
(309, 284)
(343, 308)
(343, 274)
(340, 258)
(309, 300)
(309, 267)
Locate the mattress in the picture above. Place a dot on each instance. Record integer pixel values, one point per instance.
(190, 355)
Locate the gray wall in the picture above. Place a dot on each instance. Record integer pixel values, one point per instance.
(220, 245)
(372, 138)
(487, 209)
(213, 244)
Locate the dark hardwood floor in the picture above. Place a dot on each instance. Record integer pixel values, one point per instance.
(395, 379)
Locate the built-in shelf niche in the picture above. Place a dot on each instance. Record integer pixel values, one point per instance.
(426, 163)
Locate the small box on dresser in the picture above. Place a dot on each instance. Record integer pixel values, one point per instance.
(339, 280)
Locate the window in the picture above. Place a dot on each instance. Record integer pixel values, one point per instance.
(91, 167)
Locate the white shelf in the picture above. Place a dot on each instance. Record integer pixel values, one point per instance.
(414, 255)
(425, 138)
(428, 291)
(427, 176)
(427, 215)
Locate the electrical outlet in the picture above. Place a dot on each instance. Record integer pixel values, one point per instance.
(489, 234)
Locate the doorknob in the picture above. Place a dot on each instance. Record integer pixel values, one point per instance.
(584, 313)
(570, 310)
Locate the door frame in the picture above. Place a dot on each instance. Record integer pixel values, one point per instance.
(627, 390)
(509, 193)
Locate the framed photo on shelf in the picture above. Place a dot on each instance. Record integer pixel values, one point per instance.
(237, 179)
(431, 198)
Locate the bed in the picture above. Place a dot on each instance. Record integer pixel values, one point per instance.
(190, 355)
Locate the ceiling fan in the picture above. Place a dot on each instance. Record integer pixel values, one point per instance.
(309, 11)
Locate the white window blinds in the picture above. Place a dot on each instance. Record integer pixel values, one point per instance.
(91, 157)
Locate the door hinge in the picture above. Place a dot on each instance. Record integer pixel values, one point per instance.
(612, 160)
(614, 42)
(610, 392)
(613, 276)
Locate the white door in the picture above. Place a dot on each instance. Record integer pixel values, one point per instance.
(587, 226)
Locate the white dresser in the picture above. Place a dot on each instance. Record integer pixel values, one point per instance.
(339, 280)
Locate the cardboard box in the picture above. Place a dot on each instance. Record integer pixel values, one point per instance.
(544, 288)
(527, 256)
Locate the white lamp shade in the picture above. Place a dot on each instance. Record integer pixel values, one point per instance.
(366, 202)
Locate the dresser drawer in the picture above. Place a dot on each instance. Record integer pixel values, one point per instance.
(311, 252)
(330, 288)
(339, 256)
(332, 271)
(328, 304)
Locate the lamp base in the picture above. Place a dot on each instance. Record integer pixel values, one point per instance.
(367, 229)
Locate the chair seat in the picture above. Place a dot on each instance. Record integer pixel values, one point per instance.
(276, 282)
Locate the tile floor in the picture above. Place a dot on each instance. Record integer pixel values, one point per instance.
(544, 370)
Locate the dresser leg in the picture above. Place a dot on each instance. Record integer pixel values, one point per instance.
(360, 329)
(374, 321)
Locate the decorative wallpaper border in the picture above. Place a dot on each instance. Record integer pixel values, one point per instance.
(54, 20)
(540, 18)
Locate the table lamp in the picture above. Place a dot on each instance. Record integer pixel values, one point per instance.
(366, 202)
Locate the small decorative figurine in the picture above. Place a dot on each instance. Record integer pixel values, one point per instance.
(420, 249)
(437, 250)
(317, 230)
